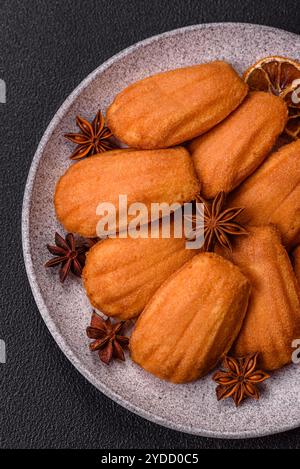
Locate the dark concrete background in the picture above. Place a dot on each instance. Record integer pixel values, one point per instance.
(46, 48)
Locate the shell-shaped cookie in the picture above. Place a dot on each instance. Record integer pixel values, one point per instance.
(272, 194)
(272, 321)
(172, 107)
(232, 150)
(192, 320)
(158, 176)
(121, 275)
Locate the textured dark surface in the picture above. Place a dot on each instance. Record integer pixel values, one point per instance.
(46, 49)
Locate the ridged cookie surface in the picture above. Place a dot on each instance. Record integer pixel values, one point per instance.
(272, 194)
(175, 106)
(121, 275)
(142, 176)
(192, 320)
(232, 150)
(272, 321)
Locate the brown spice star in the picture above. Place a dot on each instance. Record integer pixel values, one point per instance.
(93, 139)
(108, 339)
(69, 254)
(239, 379)
(219, 223)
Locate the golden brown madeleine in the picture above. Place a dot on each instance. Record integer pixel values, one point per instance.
(192, 320)
(175, 106)
(143, 176)
(121, 275)
(272, 194)
(296, 262)
(273, 318)
(230, 152)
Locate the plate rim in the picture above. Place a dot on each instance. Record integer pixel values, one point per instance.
(25, 221)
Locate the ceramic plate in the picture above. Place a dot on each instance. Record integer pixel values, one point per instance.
(190, 408)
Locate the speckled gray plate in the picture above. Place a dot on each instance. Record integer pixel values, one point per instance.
(190, 408)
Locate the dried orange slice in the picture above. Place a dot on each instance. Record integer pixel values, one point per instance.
(280, 76)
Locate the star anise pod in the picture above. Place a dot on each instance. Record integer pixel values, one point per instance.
(219, 223)
(93, 139)
(108, 339)
(69, 254)
(239, 378)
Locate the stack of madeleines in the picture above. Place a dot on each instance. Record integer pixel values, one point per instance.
(193, 307)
